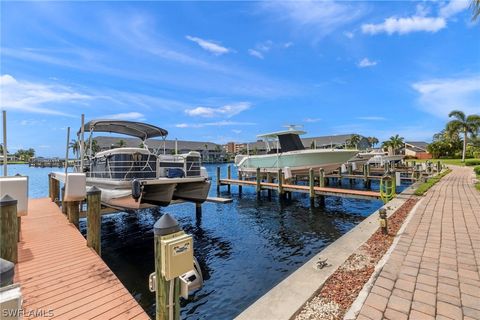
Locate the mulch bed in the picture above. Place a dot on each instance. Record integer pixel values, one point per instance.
(343, 286)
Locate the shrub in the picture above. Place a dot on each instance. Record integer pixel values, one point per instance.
(472, 162)
(477, 170)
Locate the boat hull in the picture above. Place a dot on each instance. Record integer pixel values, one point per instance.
(195, 191)
(298, 162)
(154, 192)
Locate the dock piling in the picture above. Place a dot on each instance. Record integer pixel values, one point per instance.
(311, 185)
(55, 191)
(8, 229)
(94, 219)
(240, 187)
(73, 212)
(164, 228)
(218, 179)
(280, 183)
(269, 180)
(198, 209)
(258, 178)
(229, 176)
(64, 205)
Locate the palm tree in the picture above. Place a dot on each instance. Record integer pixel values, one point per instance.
(395, 142)
(75, 146)
(354, 140)
(372, 141)
(463, 124)
(475, 6)
(121, 143)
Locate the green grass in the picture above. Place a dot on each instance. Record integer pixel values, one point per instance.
(456, 162)
(430, 183)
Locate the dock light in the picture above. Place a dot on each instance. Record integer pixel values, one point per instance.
(383, 220)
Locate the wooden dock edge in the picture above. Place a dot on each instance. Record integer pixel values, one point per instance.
(58, 273)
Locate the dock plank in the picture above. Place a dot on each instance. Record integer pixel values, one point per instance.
(57, 271)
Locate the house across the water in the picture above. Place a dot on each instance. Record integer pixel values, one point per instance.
(210, 152)
(417, 149)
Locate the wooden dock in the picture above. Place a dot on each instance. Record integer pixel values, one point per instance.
(63, 278)
(322, 191)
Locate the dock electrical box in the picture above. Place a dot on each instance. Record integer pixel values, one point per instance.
(177, 255)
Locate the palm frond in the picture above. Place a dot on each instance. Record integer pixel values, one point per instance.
(475, 6)
(460, 115)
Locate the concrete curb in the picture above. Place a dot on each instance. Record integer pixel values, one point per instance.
(288, 297)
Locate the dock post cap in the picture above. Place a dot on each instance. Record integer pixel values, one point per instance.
(166, 225)
(94, 190)
(7, 271)
(7, 201)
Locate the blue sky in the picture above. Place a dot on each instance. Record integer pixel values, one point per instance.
(227, 71)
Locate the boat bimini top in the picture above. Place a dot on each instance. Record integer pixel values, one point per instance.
(289, 140)
(131, 128)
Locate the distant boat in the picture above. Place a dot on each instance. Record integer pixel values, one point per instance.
(285, 151)
(135, 177)
(384, 158)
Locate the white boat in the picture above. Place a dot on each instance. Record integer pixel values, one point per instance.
(291, 156)
(381, 159)
(136, 177)
(364, 157)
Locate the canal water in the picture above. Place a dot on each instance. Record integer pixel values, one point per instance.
(244, 248)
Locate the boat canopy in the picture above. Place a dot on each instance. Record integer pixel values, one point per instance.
(275, 135)
(136, 129)
(289, 140)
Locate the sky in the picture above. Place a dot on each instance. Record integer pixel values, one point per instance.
(227, 71)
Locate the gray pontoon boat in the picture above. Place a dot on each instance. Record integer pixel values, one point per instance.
(136, 177)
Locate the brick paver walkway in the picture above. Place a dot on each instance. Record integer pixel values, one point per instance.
(434, 270)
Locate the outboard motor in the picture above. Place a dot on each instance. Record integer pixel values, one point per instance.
(191, 280)
(136, 189)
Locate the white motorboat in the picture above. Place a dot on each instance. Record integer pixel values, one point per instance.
(285, 151)
(136, 177)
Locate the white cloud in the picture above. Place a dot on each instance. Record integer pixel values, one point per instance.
(227, 110)
(34, 97)
(319, 17)
(126, 116)
(288, 44)
(406, 25)
(420, 21)
(236, 131)
(311, 120)
(440, 96)
(349, 34)
(255, 53)
(209, 45)
(372, 118)
(365, 63)
(453, 7)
